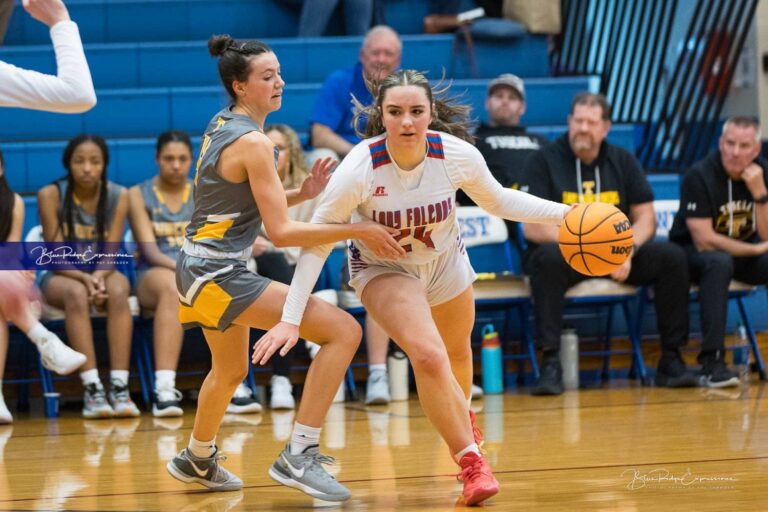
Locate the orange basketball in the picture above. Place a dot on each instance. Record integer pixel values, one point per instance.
(595, 238)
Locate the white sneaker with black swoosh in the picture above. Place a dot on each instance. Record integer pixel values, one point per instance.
(305, 472)
(205, 471)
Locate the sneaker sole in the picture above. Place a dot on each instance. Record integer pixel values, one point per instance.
(732, 382)
(66, 370)
(481, 496)
(98, 415)
(168, 412)
(181, 477)
(379, 400)
(131, 413)
(282, 406)
(244, 409)
(290, 482)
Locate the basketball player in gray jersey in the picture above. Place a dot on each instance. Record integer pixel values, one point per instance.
(87, 206)
(236, 184)
(159, 210)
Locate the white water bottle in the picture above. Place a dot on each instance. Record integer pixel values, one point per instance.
(569, 358)
(397, 368)
(741, 351)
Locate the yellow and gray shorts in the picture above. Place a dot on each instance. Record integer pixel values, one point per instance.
(213, 292)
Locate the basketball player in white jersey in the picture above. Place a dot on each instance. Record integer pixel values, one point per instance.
(71, 90)
(406, 176)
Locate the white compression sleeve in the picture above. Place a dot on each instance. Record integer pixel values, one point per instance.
(71, 91)
(511, 204)
(308, 270)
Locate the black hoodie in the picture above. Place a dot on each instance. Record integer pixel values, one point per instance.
(551, 173)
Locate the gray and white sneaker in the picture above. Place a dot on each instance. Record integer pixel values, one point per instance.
(58, 357)
(306, 473)
(95, 403)
(187, 468)
(120, 400)
(167, 402)
(377, 388)
(243, 401)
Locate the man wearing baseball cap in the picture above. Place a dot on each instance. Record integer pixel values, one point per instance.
(503, 142)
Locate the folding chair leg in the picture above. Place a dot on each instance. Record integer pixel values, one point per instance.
(351, 386)
(607, 345)
(637, 354)
(752, 338)
(527, 338)
(50, 400)
(141, 369)
(250, 380)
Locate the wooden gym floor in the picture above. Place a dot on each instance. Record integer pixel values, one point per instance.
(618, 448)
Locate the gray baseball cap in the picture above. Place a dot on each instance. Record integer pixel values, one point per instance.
(509, 80)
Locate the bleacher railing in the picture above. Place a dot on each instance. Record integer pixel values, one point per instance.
(674, 87)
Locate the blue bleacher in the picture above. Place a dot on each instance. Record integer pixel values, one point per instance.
(119, 21)
(158, 64)
(33, 165)
(131, 113)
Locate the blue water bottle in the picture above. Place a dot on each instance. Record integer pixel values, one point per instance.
(493, 374)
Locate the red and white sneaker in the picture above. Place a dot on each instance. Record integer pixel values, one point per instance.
(476, 432)
(479, 482)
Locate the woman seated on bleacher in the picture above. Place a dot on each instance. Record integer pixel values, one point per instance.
(83, 207)
(159, 210)
(15, 300)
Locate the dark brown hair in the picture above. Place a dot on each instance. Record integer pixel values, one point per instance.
(447, 115)
(234, 58)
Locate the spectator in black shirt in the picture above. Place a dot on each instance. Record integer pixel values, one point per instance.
(503, 142)
(581, 167)
(723, 226)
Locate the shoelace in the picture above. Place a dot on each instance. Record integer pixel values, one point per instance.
(323, 459)
(96, 393)
(478, 434)
(120, 392)
(471, 472)
(168, 395)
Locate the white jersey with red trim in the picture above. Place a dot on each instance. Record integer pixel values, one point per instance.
(421, 203)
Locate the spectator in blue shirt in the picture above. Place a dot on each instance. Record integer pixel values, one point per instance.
(331, 121)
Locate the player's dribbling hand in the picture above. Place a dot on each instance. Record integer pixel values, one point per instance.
(318, 178)
(283, 335)
(49, 12)
(380, 239)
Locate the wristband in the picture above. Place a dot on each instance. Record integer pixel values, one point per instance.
(762, 199)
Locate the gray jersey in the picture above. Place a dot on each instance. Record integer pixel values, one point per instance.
(167, 226)
(226, 217)
(84, 223)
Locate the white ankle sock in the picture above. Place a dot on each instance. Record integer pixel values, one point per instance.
(304, 436)
(165, 379)
(202, 449)
(37, 334)
(377, 368)
(90, 377)
(471, 448)
(121, 375)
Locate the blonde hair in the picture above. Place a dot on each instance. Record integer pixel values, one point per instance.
(447, 115)
(297, 165)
